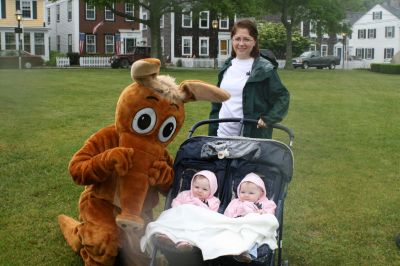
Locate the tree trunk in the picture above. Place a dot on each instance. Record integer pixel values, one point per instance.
(318, 41)
(288, 26)
(155, 31)
(289, 48)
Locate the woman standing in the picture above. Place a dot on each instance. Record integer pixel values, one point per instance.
(255, 87)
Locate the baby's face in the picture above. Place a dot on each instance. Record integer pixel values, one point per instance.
(249, 192)
(201, 187)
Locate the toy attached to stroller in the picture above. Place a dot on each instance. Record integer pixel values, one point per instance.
(230, 159)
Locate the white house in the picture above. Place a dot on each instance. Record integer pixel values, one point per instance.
(62, 17)
(376, 35)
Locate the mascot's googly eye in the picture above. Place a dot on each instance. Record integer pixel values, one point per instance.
(144, 121)
(167, 129)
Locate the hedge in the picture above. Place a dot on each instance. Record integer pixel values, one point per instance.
(386, 68)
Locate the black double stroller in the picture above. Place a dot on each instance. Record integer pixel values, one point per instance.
(231, 158)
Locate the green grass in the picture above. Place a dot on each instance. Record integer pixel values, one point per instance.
(342, 206)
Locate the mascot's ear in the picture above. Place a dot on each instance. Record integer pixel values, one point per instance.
(197, 90)
(145, 71)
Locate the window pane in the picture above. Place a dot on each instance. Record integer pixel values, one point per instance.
(109, 40)
(129, 10)
(27, 42)
(39, 43)
(10, 41)
(90, 44)
(26, 9)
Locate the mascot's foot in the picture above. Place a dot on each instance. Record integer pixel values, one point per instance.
(68, 227)
(129, 223)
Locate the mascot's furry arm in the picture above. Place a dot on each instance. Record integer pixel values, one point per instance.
(99, 158)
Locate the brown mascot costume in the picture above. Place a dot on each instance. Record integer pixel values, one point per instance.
(125, 165)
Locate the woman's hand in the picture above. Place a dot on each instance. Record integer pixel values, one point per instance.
(261, 124)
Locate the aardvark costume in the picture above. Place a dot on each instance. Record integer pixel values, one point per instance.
(123, 166)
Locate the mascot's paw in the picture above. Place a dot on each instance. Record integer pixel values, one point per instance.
(129, 223)
(161, 173)
(119, 159)
(68, 227)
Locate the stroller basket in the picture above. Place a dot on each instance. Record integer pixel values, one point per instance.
(231, 158)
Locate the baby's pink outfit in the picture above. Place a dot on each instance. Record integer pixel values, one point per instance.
(238, 208)
(186, 197)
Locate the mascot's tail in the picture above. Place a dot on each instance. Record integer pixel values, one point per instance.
(69, 228)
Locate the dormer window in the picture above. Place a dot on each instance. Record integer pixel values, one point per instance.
(377, 15)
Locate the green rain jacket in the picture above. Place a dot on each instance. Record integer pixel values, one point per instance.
(264, 96)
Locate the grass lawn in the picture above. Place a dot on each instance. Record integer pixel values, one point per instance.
(342, 206)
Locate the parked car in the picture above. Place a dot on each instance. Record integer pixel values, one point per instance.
(314, 59)
(10, 59)
(125, 60)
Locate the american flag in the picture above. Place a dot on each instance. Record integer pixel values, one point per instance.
(98, 26)
(81, 42)
(117, 43)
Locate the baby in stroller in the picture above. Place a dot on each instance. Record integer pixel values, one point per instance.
(251, 198)
(202, 189)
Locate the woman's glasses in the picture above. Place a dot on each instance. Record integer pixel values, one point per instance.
(245, 40)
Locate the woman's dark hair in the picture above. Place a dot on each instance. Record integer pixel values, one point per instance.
(251, 26)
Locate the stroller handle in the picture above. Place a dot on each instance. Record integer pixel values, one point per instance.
(242, 121)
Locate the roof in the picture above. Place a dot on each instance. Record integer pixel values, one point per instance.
(353, 17)
(395, 11)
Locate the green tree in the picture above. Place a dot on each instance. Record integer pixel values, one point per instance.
(273, 36)
(291, 14)
(329, 16)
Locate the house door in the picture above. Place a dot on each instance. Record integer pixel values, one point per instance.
(224, 49)
(130, 44)
(339, 52)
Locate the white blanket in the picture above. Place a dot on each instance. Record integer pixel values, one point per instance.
(215, 234)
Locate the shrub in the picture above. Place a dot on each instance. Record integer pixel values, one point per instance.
(386, 68)
(179, 63)
(73, 58)
(53, 55)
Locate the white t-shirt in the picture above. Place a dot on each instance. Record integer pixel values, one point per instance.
(234, 79)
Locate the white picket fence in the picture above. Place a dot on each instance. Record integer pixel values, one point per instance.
(90, 61)
(62, 61)
(94, 61)
(198, 62)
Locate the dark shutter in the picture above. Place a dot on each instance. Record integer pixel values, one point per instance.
(17, 5)
(3, 8)
(34, 7)
(373, 53)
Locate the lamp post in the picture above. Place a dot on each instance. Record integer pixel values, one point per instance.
(18, 30)
(344, 48)
(214, 25)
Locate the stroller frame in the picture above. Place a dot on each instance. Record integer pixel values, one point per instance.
(280, 160)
